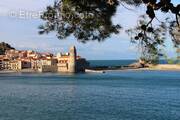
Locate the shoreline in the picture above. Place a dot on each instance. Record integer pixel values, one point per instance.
(22, 71)
(159, 67)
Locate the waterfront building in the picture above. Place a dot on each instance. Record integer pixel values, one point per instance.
(30, 53)
(22, 54)
(47, 65)
(35, 64)
(43, 62)
(63, 63)
(20, 64)
(1, 62)
(6, 64)
(1, 65)
(15, 54)
(15, 65)
(47, 55)
(25, 64)
(71, 62)
(33, 55)
(12, 54)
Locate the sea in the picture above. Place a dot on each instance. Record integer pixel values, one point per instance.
(113, 63)
(114, 95)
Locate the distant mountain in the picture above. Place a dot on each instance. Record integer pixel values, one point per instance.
(3, 47)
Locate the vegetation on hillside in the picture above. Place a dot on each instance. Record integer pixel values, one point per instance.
(3, 47)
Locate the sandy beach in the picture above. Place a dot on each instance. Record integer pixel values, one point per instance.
(164, 67)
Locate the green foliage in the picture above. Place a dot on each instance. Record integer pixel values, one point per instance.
(162, 5)
(86, 20)
(170, 60)
(148, 39)
(3, 47)
(174, 31)
(92, 20)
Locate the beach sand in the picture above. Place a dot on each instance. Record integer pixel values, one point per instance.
(164, 67)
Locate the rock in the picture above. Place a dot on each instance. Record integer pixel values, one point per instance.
(136, 65)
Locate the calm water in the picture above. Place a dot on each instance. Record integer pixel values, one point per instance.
(126, 95)
(95, 63)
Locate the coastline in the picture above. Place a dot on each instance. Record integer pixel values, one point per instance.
(165, 67)
(159, 67)
(22, 71)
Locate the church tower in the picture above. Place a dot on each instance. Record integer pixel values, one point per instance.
(72, 60)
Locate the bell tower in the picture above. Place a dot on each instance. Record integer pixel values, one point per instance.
(72, 60)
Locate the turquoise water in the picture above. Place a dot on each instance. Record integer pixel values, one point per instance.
(123, 95)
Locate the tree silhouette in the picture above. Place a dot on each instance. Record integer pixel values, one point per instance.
(150, 40)
(3, 47)
(86, 20)
(92, 20)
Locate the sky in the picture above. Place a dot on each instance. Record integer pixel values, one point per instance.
(22, 32)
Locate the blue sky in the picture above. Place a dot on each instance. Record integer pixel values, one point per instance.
(22, 33)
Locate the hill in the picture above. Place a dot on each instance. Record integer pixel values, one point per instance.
(3, 47)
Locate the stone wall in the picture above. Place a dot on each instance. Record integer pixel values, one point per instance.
(48, 68)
